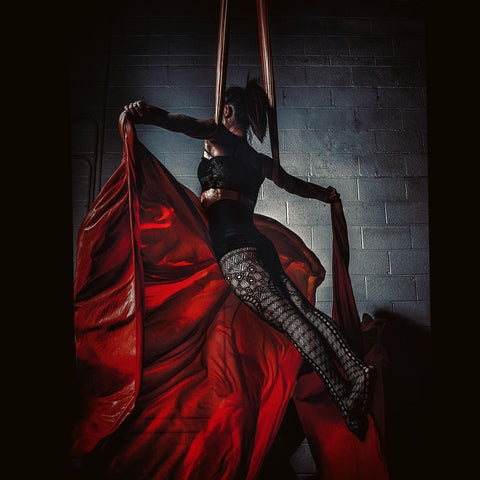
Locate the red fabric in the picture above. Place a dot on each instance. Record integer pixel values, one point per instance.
(337, 453)
(344, 310)
(179, 380)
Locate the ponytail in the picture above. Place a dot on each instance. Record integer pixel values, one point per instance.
(257, 107)
(250, 105)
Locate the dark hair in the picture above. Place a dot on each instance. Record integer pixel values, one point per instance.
(250, 106)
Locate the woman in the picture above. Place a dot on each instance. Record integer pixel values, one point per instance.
(231, 173)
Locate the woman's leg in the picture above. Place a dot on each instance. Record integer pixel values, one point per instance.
(358, 374)
(259, 285)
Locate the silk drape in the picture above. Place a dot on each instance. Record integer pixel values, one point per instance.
(176, 378)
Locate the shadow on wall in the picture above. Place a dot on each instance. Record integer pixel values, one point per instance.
(409, 397)
(408, 387)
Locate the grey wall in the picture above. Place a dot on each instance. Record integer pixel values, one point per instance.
(352, 113)
(351, 95)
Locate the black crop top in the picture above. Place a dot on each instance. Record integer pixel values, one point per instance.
(230, 173)
(231, 222)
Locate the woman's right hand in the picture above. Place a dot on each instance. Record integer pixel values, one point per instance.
(136, 111)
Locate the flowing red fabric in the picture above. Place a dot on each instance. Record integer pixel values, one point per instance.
(178, 379)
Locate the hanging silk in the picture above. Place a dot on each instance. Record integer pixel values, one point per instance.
(177, 380)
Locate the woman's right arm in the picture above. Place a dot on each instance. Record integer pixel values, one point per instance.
(140, 112)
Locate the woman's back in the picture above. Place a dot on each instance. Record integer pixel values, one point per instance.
(230, 184)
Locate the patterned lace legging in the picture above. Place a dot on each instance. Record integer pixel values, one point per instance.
(259, 280)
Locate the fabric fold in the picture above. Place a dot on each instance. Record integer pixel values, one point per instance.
(168, 359)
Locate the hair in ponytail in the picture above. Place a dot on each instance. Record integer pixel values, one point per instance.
(250, 106)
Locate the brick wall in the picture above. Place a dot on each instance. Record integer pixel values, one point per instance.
(351, 95)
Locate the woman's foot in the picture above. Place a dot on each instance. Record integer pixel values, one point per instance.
(361, 392)
(358, 402)
(357, 423)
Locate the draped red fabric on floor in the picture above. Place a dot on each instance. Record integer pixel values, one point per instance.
(177, 379)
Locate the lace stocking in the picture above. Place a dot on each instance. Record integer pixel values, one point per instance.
(261, 283)
(358, 374)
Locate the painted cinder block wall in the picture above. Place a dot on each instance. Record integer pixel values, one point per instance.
(351, 95)
(351, 102)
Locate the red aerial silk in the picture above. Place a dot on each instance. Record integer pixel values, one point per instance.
(179, 379)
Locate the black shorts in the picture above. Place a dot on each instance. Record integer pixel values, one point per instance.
(231, 227)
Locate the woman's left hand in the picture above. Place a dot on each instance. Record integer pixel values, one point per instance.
(333, 195)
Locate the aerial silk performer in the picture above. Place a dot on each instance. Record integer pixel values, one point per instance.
(194, 316)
